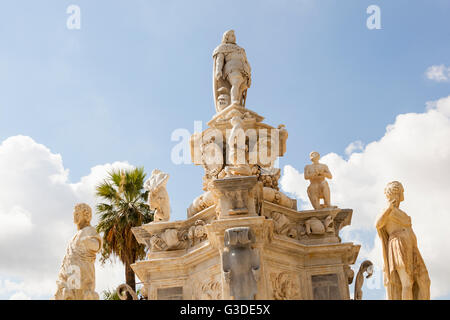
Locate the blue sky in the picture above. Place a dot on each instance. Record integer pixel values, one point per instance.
(116, 89)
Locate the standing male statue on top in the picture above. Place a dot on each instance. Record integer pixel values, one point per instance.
(231, 70)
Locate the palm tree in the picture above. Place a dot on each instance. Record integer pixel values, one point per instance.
(125, 207)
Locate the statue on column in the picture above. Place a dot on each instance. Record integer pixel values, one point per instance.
(231, 72)
(158, 198)
(76, 278)
(405, 274)
(318, 189)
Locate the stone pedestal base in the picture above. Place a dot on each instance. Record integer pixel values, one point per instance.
(238, 196)
(308, 266)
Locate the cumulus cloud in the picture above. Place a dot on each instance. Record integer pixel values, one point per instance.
(439, 73)
(36, 224)
(353, 147)
(415, 150)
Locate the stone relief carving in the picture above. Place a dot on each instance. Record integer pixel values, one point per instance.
(318, 188)
(231, 70)
(237, 196)
(197, 233)
(158, 198)
(269, 177)
(277, 197)
(240, 263)
(285, 285)
(405, 274)
(212, 156)
(350, 274)
(316, 227)
(169, 239)
(329, 224)
(200, 203)
(176, 239)
(209, 290)
(76, 278)
(284, 226)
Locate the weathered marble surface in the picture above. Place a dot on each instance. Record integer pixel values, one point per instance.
(405, 274)
(240, 263)
(158, 198)
(300, 253)
(318, 189)
(231, 71)
(76, 278)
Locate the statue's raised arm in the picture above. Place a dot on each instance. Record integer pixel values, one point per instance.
(231, 73)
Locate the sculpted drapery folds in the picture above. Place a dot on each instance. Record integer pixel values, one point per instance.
(231, 72)
(76, 278)
(405, 274)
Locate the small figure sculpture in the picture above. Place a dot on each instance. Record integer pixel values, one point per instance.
(158, 198)
(240, 263)
(366, 266)
(405, 274)
(237, 148)
(76, 278)
(231, 70)
(318, 189)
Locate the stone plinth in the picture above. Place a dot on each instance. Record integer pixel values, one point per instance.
(308, 266)
(238, 196)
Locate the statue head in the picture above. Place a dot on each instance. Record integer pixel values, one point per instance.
(394, 191)
(229, 37)
(314, 156)
(82, 215)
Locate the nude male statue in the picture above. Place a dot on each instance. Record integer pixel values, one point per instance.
(231, 69)
(76, 278)
(318, 189)
(405, 274)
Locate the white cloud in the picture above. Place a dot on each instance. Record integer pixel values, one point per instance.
(16, 222)
(354, 146)
(439, 73)
(415, 150)
(19, 296)
(36, 224)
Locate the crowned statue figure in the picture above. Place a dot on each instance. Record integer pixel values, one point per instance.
(231, 72)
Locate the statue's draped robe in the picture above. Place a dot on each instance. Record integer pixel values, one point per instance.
(400, 251)
(80, 257)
